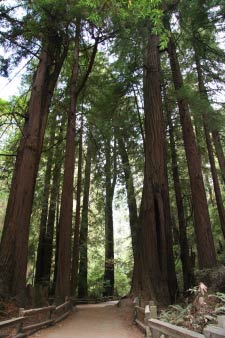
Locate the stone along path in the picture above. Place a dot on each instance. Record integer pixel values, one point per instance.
(95, 321)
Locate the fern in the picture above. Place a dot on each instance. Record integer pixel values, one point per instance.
(220, 310)
(221, 296)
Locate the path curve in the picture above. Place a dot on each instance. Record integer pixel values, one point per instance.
(94, 321)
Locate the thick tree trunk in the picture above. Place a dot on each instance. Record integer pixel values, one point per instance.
(153, 278)
(188, 275)
(83, 265)
(44, 210)
(203, 93)
(204, 239)
(14, 242)
(66, 211)
(75, 258)
(109, 236)
(219, 152)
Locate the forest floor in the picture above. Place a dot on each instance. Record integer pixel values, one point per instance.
(95, 321)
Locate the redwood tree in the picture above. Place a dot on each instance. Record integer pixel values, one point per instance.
(204, 239)
(14, 241)
(153, 277)
(65, 220)
(83, 264)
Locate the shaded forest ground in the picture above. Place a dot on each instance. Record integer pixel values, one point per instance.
(108, 321)
(95, 321)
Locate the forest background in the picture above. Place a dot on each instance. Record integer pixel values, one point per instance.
(110, 118)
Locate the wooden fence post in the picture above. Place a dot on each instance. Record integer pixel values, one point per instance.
(21, 314)
(147, 317)
(153, 310)
(221, 321)
(136, 303)
(212, 331)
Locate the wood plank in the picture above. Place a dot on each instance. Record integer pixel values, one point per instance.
(140, 309)
(214, 331)
(38, 310)
(221, 321)
(38, 325)
(142, 325)
(20, 335)
(62, 317)
(173, 330)
(10, 322)
(62, 306)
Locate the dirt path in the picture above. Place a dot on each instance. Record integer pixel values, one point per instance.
(94, 321)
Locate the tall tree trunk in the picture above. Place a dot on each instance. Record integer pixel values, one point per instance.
(44, 210)
(204, 239)
(153, 278)
(49, 234)
(109, 236)
(83, 265)
(188, 275)
(75, 258)
(131, 202)
(203, 93)
(14, 241)
(56, 257)
(66, 211)
(133, 213)
(172, 278)
(219, 152)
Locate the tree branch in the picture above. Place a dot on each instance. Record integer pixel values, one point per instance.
(90, 66)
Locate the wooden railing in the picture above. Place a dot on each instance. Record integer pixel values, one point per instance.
(146, 319)
(54, 315)
(93, 300)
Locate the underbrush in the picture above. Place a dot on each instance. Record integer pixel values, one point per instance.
(201, 311)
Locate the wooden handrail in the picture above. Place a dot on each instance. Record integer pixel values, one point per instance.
(38, 325)
(31, 312)
(62, 306)
(140, 309)
(22, 331)
(212, 331)
(10, 322)
(157, 326)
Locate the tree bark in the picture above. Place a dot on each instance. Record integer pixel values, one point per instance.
(188, 275)
(44, 210)
(204, 239)
(14, 241)
(65, 220)
(56, 258)
(153, 277)
(131, 202)
(203, 93)
(83, 265)
(75, 258)
(109, 236)
(219, 152)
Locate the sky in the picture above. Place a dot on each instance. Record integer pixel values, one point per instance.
(10, 86)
